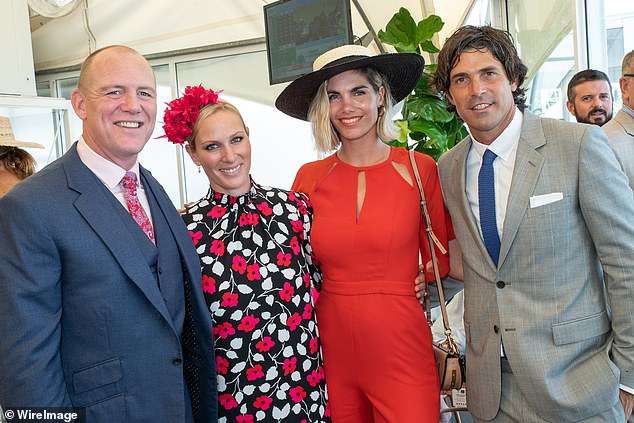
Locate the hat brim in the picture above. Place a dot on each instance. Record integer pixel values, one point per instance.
(20, 144)
(402, 71)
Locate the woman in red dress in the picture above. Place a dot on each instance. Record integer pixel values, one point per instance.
(367, 236)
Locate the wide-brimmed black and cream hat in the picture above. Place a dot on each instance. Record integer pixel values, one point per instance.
(402, 71)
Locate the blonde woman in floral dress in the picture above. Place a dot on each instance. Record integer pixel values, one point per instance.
(256, 264)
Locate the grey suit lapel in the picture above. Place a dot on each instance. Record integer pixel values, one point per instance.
(103, 219)
(528, 166)
(460, 174)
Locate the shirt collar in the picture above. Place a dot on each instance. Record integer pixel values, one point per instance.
(108, 172)
(628, 110)
(504, 145)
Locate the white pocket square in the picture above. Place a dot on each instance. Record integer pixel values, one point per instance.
(542, 200)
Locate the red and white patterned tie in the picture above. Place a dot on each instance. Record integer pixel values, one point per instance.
(134, 205)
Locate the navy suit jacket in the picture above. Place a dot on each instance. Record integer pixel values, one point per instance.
(83, 324)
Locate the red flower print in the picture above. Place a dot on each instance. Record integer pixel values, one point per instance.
(227, 401)
(297, 394)
(287, 292)
(247, 324)
(313, 378)
(293, 321)
(255, 372)
(243, 220)
(253, 272)
(265, 209)
(217, 247)
(223, 330)
(313, 345)
(283, 259)
(295, 245)
(265, 344)
(209, 284)
(239, 264)
(196, 236)
(254, 218)
(302, 209)
(308, 312)
(247, 418)
(262, 402)
(217, 211)
(297, 225)
(222, 365)
(292, 196)
(320, 372)
(229, 299)
(306, 279)
(289, 365)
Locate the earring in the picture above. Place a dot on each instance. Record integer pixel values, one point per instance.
(198, 168)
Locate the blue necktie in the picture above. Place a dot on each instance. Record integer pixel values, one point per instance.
(486, 198)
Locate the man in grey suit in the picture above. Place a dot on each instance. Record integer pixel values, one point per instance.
(541, 211)
(620, 130)
(102, 310)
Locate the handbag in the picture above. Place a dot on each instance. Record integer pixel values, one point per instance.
(450, 363)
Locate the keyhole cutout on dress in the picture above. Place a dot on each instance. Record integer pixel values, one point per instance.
(404, 172)
(360, 191)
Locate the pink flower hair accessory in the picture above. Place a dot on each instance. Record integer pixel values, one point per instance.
(181, 113)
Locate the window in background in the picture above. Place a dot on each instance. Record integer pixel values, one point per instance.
(480, 13)
(619, 26)
(542, 30)
(279, 144)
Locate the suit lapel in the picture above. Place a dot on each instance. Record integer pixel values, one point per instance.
(174, 221)
(460, 174)
(528, 166)
(106, 223)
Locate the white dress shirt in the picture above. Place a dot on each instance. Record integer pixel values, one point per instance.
(111, 174)
(505, 147)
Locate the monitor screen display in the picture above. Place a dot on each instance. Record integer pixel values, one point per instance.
(297, 31)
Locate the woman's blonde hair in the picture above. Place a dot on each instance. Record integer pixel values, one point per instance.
(326, 137)
(17, 161)
(207, 111)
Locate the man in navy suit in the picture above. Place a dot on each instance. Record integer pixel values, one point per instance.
(101, 312)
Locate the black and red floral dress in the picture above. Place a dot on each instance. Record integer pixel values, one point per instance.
(257, 268)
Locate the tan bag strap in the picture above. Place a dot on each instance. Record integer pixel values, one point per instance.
(432, 240)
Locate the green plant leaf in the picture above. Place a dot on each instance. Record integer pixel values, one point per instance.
(425, 116)
(401, 32)
(428, 27)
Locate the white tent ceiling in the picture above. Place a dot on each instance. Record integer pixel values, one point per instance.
(157, 26)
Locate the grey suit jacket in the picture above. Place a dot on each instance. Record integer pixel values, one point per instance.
(620, 132)
(547, 299)
(83, 324)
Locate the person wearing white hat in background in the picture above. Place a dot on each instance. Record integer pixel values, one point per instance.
(16, 164)
(368, 234)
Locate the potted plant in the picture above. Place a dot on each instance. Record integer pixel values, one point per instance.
(425, 117)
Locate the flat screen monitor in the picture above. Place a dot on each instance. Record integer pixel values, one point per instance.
(297, 31)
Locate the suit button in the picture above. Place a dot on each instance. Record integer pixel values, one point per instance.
(496, 329)
(500, 284)
(177, 362)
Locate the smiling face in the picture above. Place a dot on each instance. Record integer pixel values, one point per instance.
(116, 100)
(592, 102)
(223, 149)
(354, 106)
(482, 94)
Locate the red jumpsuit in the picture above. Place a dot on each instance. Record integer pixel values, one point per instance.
(375, 339)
